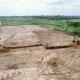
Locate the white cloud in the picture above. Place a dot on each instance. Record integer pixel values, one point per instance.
(39, 7)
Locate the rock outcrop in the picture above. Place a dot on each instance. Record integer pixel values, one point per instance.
(29, 52)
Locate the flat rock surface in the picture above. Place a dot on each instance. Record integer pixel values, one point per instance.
(17, 36)
(55, 38)
(21, 29)
(26, 61)
(23, 40)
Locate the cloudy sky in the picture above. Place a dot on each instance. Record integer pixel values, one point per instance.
(39, 7)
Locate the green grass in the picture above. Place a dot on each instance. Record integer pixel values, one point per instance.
(64, 25)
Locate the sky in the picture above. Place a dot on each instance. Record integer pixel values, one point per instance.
(39, 7)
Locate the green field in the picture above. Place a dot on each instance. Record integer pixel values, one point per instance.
(67, 24)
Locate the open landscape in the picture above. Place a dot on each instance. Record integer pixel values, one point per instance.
(40, 48)
(69, 24)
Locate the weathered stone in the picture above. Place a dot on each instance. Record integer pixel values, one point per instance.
(26, 61)
(55, 39)
(23, 40)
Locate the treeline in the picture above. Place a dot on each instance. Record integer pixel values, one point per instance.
(58, 17)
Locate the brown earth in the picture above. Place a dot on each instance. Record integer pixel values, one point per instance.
(30, 52)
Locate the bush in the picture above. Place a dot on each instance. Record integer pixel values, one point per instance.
(75, 24)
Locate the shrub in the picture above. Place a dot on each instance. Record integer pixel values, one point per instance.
(75, 24)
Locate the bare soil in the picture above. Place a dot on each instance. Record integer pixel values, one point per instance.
(30, 52)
